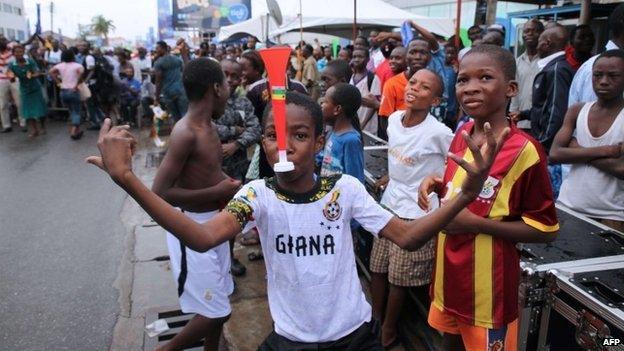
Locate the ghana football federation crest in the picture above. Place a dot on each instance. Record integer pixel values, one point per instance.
(332, 209)
(488, 188)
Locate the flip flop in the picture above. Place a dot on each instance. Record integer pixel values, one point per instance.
(249, 241)
(250, 238)
(255, 256)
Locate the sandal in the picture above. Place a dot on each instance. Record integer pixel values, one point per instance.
(237, 268)
(255, 256)
(250, 239)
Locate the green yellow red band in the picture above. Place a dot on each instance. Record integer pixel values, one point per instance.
(278, 93)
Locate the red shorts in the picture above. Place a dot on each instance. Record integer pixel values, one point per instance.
(476, 338)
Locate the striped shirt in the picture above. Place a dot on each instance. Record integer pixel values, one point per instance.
(476, 275)
(5, 59)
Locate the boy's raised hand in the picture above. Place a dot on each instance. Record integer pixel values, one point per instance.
(478, 170)
(116, 145)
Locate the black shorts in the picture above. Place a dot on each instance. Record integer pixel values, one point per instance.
(364, 338)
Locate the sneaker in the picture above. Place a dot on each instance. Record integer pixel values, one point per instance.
(237, 268)
(6, 130)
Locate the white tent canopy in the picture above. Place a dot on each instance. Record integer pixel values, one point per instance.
(331, 17)
(255, 26)
(369, 13)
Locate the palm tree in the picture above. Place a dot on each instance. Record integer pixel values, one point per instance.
(102, 26)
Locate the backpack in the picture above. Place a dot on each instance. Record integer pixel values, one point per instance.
(370, 77)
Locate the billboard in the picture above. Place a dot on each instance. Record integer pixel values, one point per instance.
(165, 29)
(209, 14)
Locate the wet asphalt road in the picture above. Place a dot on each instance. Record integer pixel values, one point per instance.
(61, 242)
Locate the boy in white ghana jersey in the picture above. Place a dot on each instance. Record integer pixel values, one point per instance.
(315, 296)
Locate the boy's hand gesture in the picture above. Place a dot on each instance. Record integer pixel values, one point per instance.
(478, 170)
(117, 145)
(427, 186)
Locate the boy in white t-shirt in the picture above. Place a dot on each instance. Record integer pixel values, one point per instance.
(315, 296)
(417, 147)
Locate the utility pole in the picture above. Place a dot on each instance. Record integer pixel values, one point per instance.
(490, 16)
(52, 16)
(585, 15)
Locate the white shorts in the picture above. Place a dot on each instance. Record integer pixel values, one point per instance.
(203, 279)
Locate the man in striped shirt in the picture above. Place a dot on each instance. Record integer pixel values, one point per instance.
(8, 88)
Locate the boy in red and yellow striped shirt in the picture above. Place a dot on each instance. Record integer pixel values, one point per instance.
(475, 284)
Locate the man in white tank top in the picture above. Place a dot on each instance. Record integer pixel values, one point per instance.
(591, 139)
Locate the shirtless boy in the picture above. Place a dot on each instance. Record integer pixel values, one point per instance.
(190, 178)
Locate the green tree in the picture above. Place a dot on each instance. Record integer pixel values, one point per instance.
(101, 26)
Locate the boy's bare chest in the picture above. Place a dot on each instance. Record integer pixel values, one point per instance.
(203, 166)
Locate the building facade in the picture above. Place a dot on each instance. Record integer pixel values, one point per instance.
(13, 22)
(448, 8)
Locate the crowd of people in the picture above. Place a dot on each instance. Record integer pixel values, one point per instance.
(43, 76)
(446, 226)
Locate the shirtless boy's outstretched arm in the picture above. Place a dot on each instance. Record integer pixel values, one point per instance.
(116, 145)
(180, 145)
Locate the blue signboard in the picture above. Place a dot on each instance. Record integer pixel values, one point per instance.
(209, 14)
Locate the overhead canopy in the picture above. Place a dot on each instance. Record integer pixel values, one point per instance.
(254, 26)
(330, 17)
(293, 38)
(336, 17)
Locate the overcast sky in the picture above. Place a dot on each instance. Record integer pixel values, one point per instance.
(131, 18)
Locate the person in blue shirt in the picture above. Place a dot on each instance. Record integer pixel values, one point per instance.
(343, 152)
(169, 89)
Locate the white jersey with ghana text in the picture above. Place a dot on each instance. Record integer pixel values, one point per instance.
(314, 291)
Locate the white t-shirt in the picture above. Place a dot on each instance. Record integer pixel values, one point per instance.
(314, 291)
(587, 189)
(377, 57)
(138, 64)
(53, 57)
(70, 73)
(90, 61)
(362, 112)
(413, 154)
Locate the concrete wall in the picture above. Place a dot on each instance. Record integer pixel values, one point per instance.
(13, 23)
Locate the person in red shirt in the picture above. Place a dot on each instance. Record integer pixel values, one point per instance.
(582, 40)
(384, 71)
(476, 275)
(392, 99)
